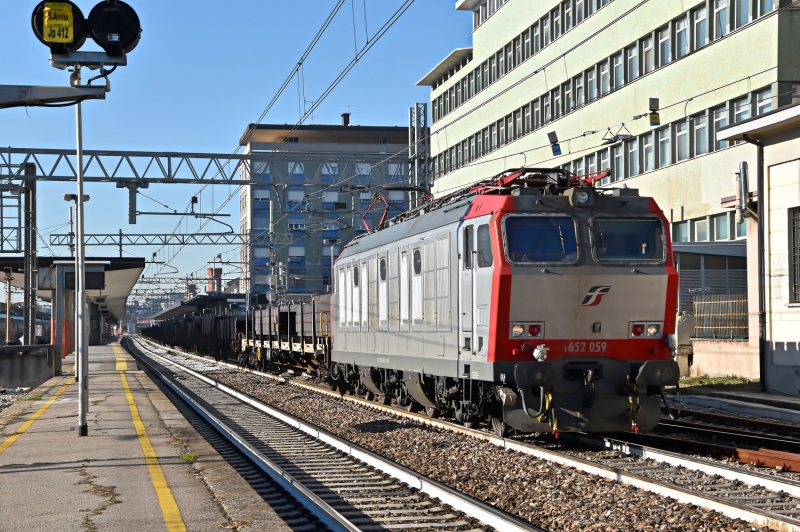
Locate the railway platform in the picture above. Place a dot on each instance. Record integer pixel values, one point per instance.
(762, 404)
(142, 467)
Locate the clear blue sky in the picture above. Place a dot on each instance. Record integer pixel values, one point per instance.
(203, 71)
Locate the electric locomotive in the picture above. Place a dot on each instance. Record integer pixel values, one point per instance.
(533, 300)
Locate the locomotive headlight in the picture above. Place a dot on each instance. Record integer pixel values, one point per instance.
(540, 353)
(517, 330)
(582, 197)
(653, 330)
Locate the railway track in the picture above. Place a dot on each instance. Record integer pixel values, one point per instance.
(754, 497)
(342, 485)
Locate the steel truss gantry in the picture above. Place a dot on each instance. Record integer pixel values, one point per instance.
(178, 239)
(137, 169)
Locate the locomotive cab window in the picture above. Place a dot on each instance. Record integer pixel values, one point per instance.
(540, 239)
(628, 239)
(485, 258)
(355, 276)
(383, 269)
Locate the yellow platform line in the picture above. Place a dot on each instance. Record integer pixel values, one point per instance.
(169, 506)
(122, 364)
(14, 437)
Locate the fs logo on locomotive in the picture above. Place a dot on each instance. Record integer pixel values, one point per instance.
(595, 295)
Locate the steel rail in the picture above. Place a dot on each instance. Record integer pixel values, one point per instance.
(474, 508)
(684, 495)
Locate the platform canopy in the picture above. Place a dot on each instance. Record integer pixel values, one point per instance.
(120, 276)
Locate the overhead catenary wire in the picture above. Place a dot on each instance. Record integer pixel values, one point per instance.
(359, 55)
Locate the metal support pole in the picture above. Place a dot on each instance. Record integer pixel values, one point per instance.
(81, 347)
(8, 308)
(29, 296)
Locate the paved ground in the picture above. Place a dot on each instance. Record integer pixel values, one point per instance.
(51, 479)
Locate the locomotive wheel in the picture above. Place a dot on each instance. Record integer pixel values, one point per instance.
(369, 396)
(469, 424)
(499, 427)
(385, 400)
(413, 407)
(432, 412)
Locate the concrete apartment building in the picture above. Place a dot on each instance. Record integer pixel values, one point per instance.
(586, 69)
(317, 180)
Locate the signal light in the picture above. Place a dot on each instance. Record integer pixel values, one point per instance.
(61, 26)
(534, 330)
(637, 329)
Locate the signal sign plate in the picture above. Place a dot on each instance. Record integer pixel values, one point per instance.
(58, 22)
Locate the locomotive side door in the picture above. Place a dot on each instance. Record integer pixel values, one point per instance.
(467, 302)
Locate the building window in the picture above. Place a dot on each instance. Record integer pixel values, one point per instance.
(526, 118)
(701, 230)
(546, 29)
(681, 141)
(591, 85)
(633, 157)
(579, 11)
(763, 101)
(579, 91)
(618, 168)
(720, 18)
(578, 166)
(556, 23)
(700, 128)
(566, 90)
(680, 232)
(741, 230)
(591, 164)
(605, 78)
(794, 254)
(663, 47)
(721, 227)
(556, 97)
(741, 109)
(567, 15)
(742, 12)
(492, 70)
(526, 45)
(501, 129)
(591, 7)
(517, 52)
(619, 77)
(537, 39)
(663, 147)
(720, 115)
(765, 6)
(633, 63)
(492, 137)
(700, 28)
(604, 160)
(546, 102)
(648, 153)
(509, 58)
(537, 114)
(501, 65)
(648, 56)
(681, 38)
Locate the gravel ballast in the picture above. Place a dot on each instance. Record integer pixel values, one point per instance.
(544, 493)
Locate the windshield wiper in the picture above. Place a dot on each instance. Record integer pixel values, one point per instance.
(561, 236)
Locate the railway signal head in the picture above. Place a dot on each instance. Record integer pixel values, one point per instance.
(61, 26)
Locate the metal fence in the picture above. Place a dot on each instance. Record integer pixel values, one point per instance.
(721, 316)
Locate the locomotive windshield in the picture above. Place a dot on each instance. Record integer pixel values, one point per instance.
(540, 239)
(628, 239)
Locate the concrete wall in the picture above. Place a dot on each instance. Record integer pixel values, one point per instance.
(782, 179)
(26, 366)
(718, 358)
